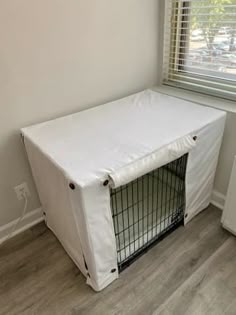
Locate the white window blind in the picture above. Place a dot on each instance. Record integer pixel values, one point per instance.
(200, 46)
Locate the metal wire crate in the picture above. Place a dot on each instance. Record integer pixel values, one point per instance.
(146, 209)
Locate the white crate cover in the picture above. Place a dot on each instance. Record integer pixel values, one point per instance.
(119, 141)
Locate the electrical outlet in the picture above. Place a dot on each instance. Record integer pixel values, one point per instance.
(22, 190)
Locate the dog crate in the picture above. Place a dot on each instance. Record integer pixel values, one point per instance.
(145, 209)
(114, 179)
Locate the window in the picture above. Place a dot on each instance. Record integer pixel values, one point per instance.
(200, 46)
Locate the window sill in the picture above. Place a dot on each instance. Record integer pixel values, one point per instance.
(202, 99)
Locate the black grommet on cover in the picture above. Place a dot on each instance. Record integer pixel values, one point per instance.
(72, 186)
(195, 138)
(186, 215)
(106, 182)
(113, 270)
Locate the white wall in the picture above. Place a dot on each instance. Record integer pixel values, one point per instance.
(58, 57)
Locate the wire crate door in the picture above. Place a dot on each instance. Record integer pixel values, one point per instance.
(147, 208)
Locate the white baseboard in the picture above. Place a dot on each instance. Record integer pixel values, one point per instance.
(30, 219)
(218, 199)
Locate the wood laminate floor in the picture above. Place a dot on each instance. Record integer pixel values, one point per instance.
(192, 271)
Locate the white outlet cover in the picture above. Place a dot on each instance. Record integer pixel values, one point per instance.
(22, 189)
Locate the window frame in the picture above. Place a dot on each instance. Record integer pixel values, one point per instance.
(177, 53)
